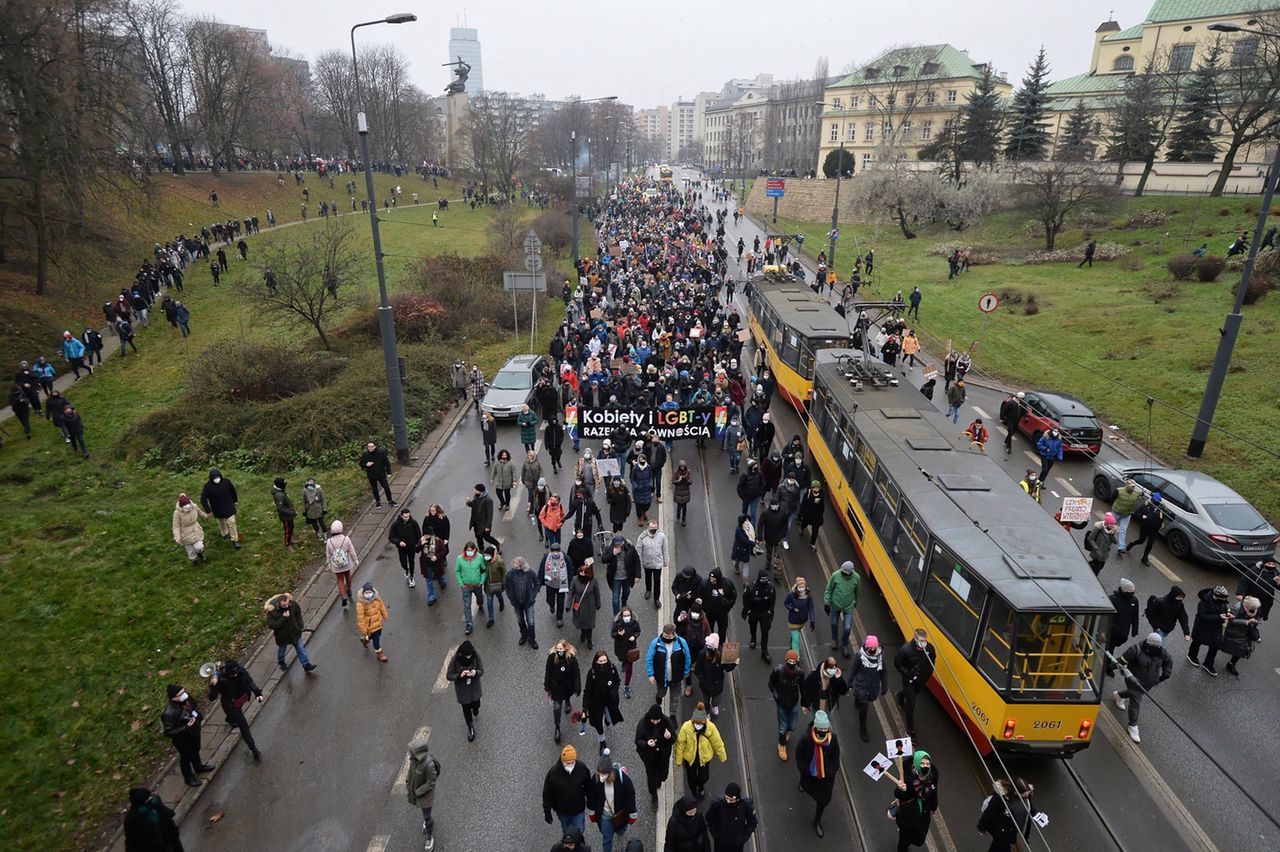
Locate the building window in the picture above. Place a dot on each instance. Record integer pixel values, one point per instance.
(911, 98)
(1244, 52)
(946, 125)
(899, 70)
(1122, 63)
(853, 132)
(866, 162)
(906, 130)
(871, 73)
(1180, 57)
(870, 134)
(929, 68)
(853, 102)
(891, 100)
(873, 101)
(1217, 126)
(930, 96)
(888, 128)
(837, 103)
(926, 129)
(951, 96)
(835, 133)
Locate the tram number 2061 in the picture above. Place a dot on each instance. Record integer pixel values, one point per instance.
(1047, 726)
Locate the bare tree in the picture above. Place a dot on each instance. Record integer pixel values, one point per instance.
(226, 64)
(499, 128)
(906, 195)
(300, 280)
(1246, 94)
(156, 32)
(335, 96)
(1053, 189)
(1143, 120)
(896, 86)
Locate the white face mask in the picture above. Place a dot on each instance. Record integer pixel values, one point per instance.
(182, 696)
(568, 767)
(217, 479)
(604, 777)
(830, 672)
(922, 643)
(368, 596)
(626, 619)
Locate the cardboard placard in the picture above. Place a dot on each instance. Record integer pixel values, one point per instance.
(609, 467)
(730, 653)
(1076, 509)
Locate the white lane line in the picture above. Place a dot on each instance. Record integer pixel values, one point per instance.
(1164, 569)
(1278, 671)
(442, 682)
(1066, 483)
(402, 777)
(1035, 458)
(1056, 495)
(982, 413)
(379, 843)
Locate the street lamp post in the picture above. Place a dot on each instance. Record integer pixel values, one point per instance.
(1231, 326)
(835, 208)
(386, 317)
(573, 165)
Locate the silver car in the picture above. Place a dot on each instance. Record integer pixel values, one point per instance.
(512, 386)
(1202, 517)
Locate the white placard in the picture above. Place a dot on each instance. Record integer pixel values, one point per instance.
(609, 467)
(878, 766)
(1076, 509)
(899, 747)
(1041, 819)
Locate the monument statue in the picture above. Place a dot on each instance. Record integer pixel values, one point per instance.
(460, 72)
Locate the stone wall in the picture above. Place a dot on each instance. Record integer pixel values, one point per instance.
(805, 200)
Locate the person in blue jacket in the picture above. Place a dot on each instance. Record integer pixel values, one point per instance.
(799, 604)
(73, 351)
(1050, 449)
(668, 663)
(642, 488)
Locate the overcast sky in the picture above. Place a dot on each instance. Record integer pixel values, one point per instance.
(649, 52)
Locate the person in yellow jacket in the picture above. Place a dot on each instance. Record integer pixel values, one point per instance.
(910, 349)
(697, 744)
(371, 615)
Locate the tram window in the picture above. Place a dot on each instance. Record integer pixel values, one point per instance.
(818, 411)
(1057, 657)
(997, 645)
(908, 547)
(846, 459)
(954, 595)
(806, 359)
(864, 487)
(791, 349)
(886, 508)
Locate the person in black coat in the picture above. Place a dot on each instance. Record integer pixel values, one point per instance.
(823, 687)
(744, 544)
(619, 498)
(149, 825)
(720, 597)
(481, 521)
(655, 738)
(1168, 612)
(622, 569)
(553, 440)
(812, 512)
(1125, 623)
(731, 820)
(21, 405)
(997, 820)
(377, 468)
(612, 826)
(1206, 630)
(818, 759)
(600, 696)
(181, 722)
(406, 534)
(758, 603)
(687, 829)
(233, 686)
(1261, 581)
(915, 662)
(561, 681)
(750, 488)
(916, 798)
(564, 790)
(218, 498)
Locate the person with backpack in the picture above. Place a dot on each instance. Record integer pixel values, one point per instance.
(92, 345)
(124, 331)
(1098, 541)
(997, 819)
(420, 785)
(611, 800)
(1168, 612)
(340, 556)
(1150, 517)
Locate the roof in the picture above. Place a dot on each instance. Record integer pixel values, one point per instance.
(1088, 84)
(969, 504)
(1185, 10)
(952, 63)
(799, 309)
(1125, 34)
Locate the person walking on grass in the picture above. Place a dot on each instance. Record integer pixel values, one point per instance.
(284, 509)
(187, 530)
(377, 468)
(73, 350)
(149, 824)
(1090, 249)
(465, 672)
(371, 616)
(420, 784)
(75, 429)
(219, 498)
(233, 686)
(340, 556)
(284, 617)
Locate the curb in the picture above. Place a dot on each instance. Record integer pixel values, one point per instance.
(217, 735)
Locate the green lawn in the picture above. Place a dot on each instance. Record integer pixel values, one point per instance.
(1113, 334)
(105, 610)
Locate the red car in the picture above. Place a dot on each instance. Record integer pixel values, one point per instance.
(1081, 431)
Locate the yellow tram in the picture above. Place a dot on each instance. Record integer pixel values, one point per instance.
(1018, 618)
(791, 324)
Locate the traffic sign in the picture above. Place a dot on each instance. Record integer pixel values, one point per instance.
(775, 187)
(533, 261)
(532, 242)
(537, 282)
(988, 302)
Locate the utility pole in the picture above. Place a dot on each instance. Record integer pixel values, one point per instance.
(573, 164)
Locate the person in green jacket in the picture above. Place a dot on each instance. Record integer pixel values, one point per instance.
(839, 601)
(469, 570)
(1122, 507)
(285, 509)
(503, 477)
(528, 423)
(420, 784)
(495, 581)
(313, 508)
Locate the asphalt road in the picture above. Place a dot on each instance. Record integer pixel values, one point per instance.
(334, 743)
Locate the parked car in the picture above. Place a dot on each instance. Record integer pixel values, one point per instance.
(1202, 517)
(513, 385)
(1081, 431)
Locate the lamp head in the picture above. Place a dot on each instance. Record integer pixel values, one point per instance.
(401, 18)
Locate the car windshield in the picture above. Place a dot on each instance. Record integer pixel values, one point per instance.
(1075, 421)
(512, 380)
(1235, 516)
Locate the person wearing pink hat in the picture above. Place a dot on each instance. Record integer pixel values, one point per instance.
(868, 681)
(1098, 542)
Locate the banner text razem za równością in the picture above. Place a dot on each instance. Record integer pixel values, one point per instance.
(669, 425)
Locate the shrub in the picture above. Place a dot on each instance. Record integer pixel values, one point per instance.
(1225, 211)
(1147, 219)
(248, 371)
(1209, 268)
(1259, 286)
(1131, 263)
(555, 228)
(1032, 307)
(1011, 297)
(1182, 266)
(417, 317)
(1104, 251)
(468, 289)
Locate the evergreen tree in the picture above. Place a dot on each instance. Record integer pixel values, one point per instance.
(980, 122)
(1029, 131)
(1192, 139)
(1075, 145)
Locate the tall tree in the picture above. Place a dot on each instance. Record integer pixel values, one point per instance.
(499, 129)
(981, 122)
(1192, 139)
(1141, 121)
(335, 96)
(1028, 127)
(155, 29)
(1075, 144)
(1246, 97)
(299, 281)
(1053, 190)
(226, 66)
(947, 150)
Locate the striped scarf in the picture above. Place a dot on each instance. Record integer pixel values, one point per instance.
(818, 765)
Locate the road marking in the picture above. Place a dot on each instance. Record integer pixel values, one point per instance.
(1066, 483)
(1035, 458)
(379, 843)
(442, 682)
(1056, 495)
(984, 414)
(1164, 569)
(402, 777)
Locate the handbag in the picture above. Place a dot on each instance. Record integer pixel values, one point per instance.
(241, 700)
(633, 654)
(493, 587)
(578, 602)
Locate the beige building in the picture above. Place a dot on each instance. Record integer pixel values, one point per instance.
(681, 128)
(653, 127)
(903, 98)
(1175, 34)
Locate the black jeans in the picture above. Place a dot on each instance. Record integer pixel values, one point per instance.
(1145, 538)
(907, 698)
(653, 583)
(682, 512)
(188, 745)
(379, 479)
(490, 452)
(407, 560)
(764, 632)
(235, 718)
(469, 711)
(504, 497)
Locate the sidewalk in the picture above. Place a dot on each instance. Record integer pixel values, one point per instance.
(316, 595)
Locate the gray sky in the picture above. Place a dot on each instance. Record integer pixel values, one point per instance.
(652, 51)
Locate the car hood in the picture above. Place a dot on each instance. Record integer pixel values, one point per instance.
(505, 398)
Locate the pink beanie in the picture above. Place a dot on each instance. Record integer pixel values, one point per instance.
(872, 642)
(1109, 519)
(713, 641)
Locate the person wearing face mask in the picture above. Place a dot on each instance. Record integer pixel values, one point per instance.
(688, 589)
(668, 663)
(218, 498)
(149, 824)
(622, 569)
(799, 605)
(744, 545)
(553, 440)
(812, 512)
(710, 669)
(537, 502)
(580, 549)
(682, 490)
(719, 597)
(564, 791)
(530, 473)
(481, 506)
(731, 820)
(698, 743)
(528, 423)
(915, 801)
(1239, 634)
(1125, 623)
(552, 519)
(420, 785)
(187, 530)
(818, 759)
(465, 673)
(233, 686)
(469, 571)
(1144, 665)
(503, 477)
(758, 603)
(371, 615)
(495, 582)
(839, 601)
(555, 573)
(522, 588)
(773, 532)
(655, 556)
(655, 738)
(181, 722)
(868, 680)
(693, 627)
(561, 681)
(587, 470)
(611, 800)
(915, 662)
(284, 618)
(786, 685)
(583, 511)
(340, 556)
(687, 829)
(626, 645)
(584, 596)
(619, 497)
(488, 435)
(313, 508)
(600, 696)
(823, 687)
(642, 476)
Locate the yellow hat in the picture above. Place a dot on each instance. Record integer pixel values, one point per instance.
(568, 753)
